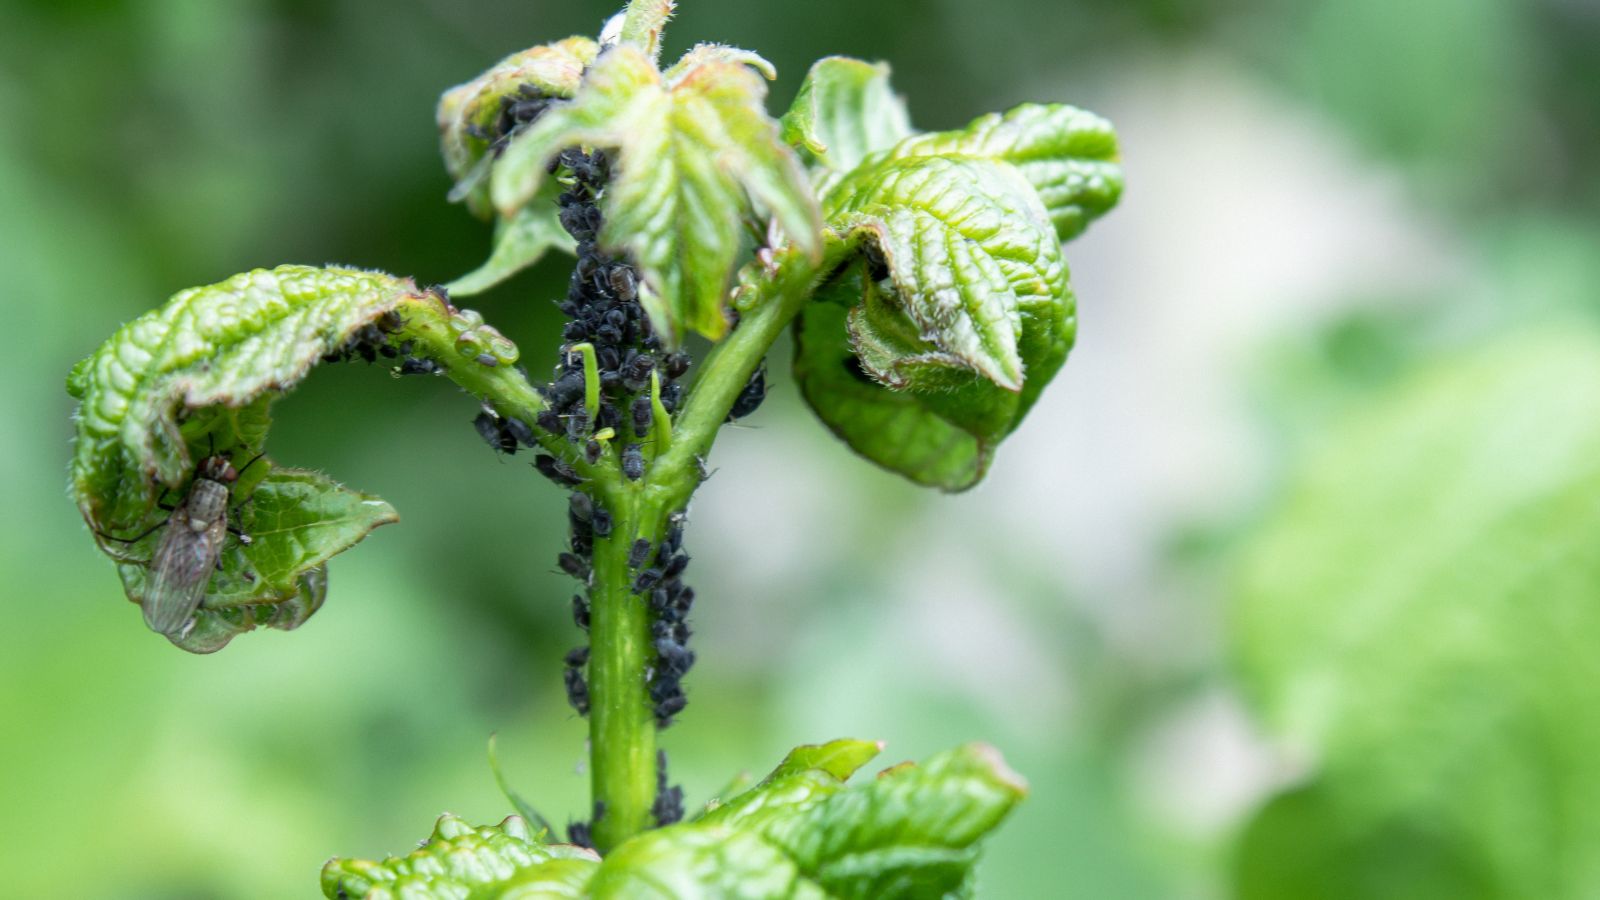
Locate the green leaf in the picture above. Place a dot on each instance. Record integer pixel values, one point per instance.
(844, 112)
(1418, 619)
(1069, 155)
(519, 242)
(696, 153)
(296, 521)
(198, 376)
(470, 114)
(459, 861)
(942, 352)
(910, 833)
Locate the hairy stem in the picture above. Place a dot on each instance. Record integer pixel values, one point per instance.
(506, 388)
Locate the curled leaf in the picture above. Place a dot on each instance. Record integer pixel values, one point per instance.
(476, 117)
(844, 112)
(695, 154)
(933, 345)
(197, 378)
(1069, 155)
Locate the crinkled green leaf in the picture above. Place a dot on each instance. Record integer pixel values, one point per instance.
(469, 114)
(519, 242)
(942, 352)
(695, 154)
(459, 861)
(844, 112)
(1069, 155)
(197, 377)
(1419, 620)
(213, 628)
(910, 833)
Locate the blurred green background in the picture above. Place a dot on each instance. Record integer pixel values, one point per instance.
(1289, 587)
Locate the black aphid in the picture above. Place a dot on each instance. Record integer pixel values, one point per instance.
(580, 507)
(633, 462)
(556, 470)
(577, 691)
(574, 565)
(493, 432)
(638, 553)
(643, 415)
(518, 430)
(580, 611)
(577, 657)
(647, 580)
(550, 421)
(411, 365)
(671, 394)
(675, 566)
(676, 364)
(749, 399)
(602, 521)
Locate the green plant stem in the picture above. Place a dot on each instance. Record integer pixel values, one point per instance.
(622, 728)
(505, 388)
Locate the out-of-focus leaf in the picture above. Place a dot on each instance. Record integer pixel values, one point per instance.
(845, 111)
(473, 117)
(944, 349)
(1069, 155)
(459, 861)
(1419, 619)
(910, 833)
(695, 154)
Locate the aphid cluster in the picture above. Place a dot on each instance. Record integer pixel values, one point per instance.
(668, 807)
(375, 340)
(582, 833)
(670, 601)
(516, 111)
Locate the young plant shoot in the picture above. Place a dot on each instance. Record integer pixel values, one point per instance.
(920, 274)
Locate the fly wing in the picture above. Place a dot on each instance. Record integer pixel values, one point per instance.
(180, 570)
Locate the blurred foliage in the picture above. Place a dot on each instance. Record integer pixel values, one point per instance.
(157, 144)
(1417, 621)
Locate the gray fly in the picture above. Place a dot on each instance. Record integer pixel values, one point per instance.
(190, 548)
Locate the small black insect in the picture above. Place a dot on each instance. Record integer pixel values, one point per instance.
(574, 565)
(675, 566)
(592, 450)
(671, 395)
(623, 283)
(667, 708)
(493, 432)
(668, 805)
(633, 462)
(556, 470)
(646, 581)
(580, 611)
(602, 521)
(518, 430)
(749, 399)
(577, 657)
(638, 553)
(583, 541)
(674, 657)
(411, 365)
(550, 421)
(580, 507)
(578, 832)
(577, 691)
(676, 364)
(643, 415)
